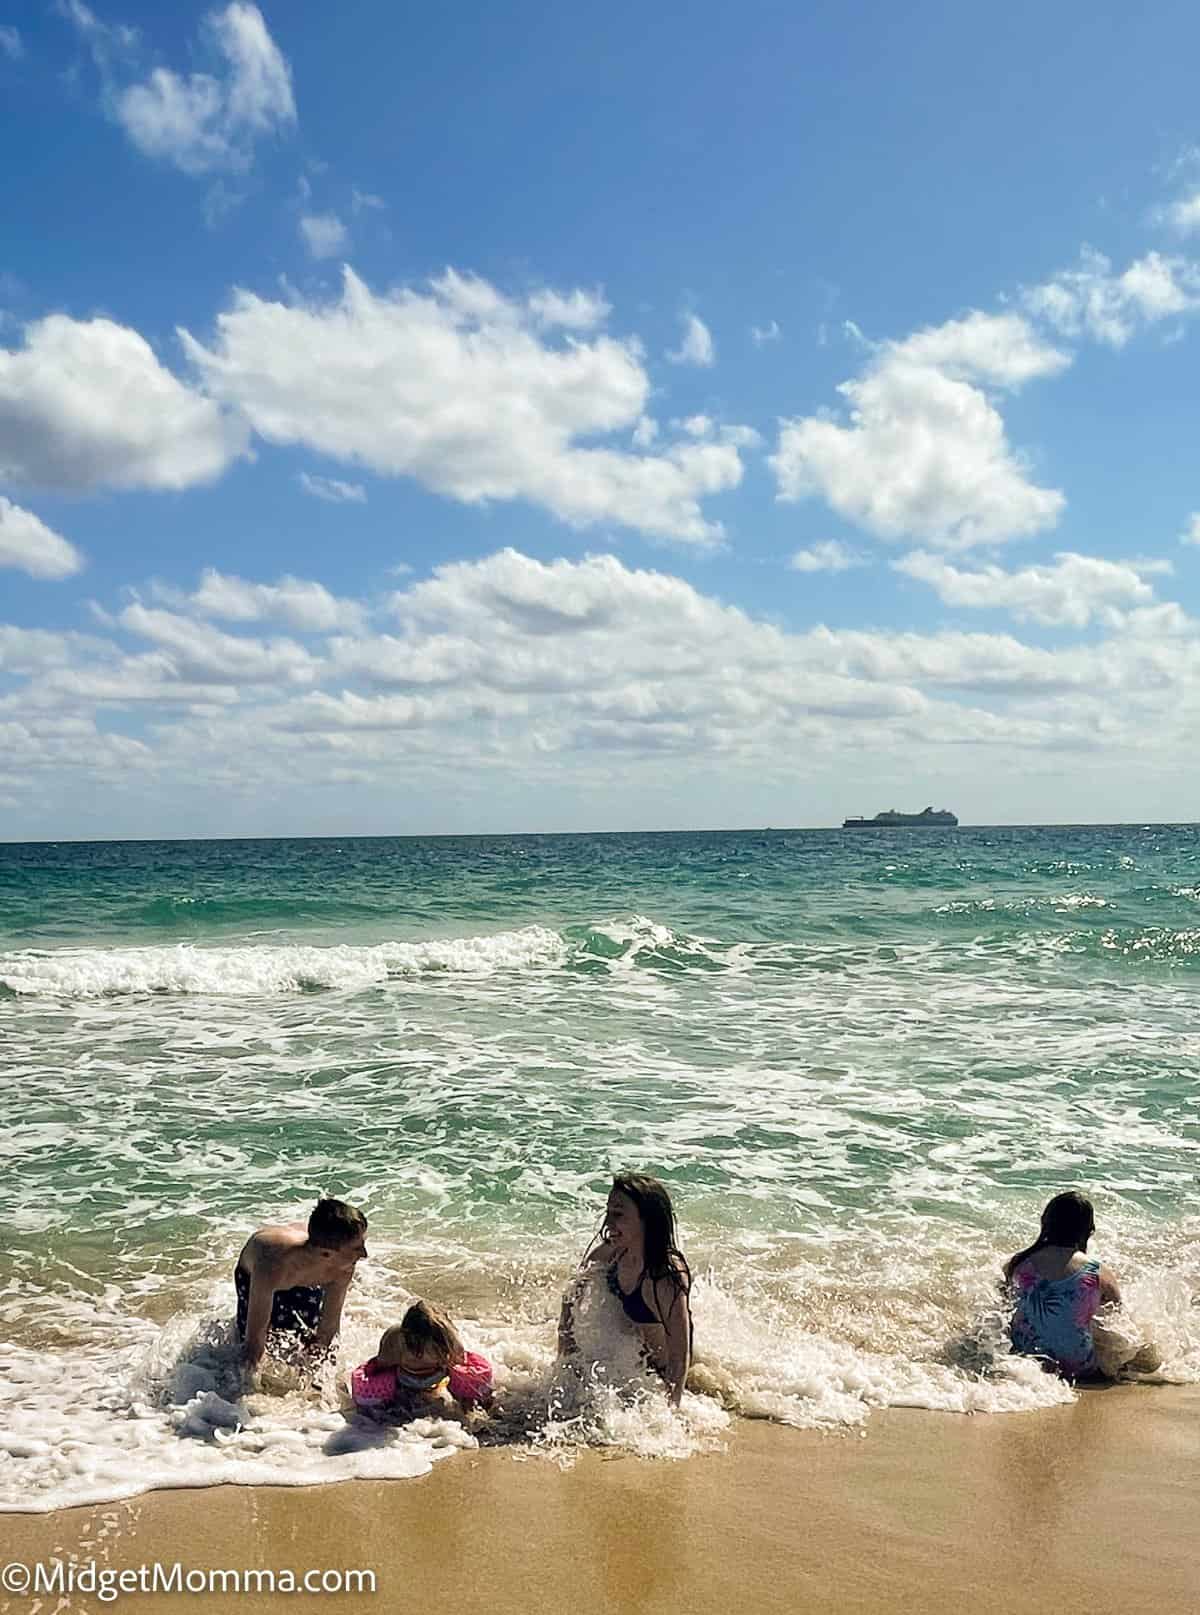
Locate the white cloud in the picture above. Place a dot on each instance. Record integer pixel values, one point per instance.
(456, 387)
(697, 345)
(1184, 215)
(997, 348)
(828, 556)
(86, 404)
(324, 234)
(581, 311)
(363, 201)
(205, 123)
(1073, 592)
(924, 451)
(203, 654)
(37, 650)
(509, 674)
(1191, 534)
(10, 44)
(109, 42)
(29, 545)
(1092, 301)
(760, 335)
(299, 602)
(333, 491)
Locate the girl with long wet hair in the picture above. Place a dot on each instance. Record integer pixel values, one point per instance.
(1057, 1291)
(647, 1272)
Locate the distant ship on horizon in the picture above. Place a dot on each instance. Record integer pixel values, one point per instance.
(890, 820)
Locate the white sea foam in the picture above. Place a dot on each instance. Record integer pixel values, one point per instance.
(263, 970)
(133, 1406)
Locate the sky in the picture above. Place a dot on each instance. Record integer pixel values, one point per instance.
(539, 418)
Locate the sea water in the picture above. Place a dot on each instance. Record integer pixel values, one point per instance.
(861, 1062)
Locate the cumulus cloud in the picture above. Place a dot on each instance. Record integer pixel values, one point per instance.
(828, 556)
(457, 386)
(760, 335)
(210, 122)
(299, 602)
(1191, 534)
(1074, 591)
(36, 650)
(1092, 301)
(923, 452)
(332, 490)
(86, 404)
(324, 234)
(29, 545)
(697, 345)
(206, 655)
(581, 311)
(1184, 214)
(10, 43)
(565, 671)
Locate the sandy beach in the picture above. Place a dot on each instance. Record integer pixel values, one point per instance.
(1089, 1504)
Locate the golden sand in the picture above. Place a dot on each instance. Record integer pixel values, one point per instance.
(1087, 1507)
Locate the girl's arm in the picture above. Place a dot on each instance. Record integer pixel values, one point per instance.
(1110, 1290)
(566, 1318)
(673, 1307)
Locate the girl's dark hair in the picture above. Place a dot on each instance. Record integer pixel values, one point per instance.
(664, 1259)
(1068, 1220)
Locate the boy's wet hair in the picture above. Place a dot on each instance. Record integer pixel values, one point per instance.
(421, 1327)
(333, 1222)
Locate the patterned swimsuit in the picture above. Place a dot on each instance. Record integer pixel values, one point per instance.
(1053, 1317)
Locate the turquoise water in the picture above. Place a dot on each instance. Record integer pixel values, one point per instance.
(861, 1061)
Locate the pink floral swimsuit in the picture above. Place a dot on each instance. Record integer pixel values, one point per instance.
(1053, 1317)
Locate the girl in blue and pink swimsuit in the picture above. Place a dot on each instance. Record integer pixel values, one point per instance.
(1058, 1290)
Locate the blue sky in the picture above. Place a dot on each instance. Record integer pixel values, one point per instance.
(527, 420)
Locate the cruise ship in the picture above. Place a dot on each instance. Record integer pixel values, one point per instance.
(942, 818)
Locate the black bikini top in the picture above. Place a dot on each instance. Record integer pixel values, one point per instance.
(635, 1307)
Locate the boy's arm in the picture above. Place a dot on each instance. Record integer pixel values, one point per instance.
(331, 1311)
(258, 1317)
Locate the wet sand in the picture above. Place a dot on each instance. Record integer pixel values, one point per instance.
(1096, 1504)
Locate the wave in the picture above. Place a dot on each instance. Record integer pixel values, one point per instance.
(152, 1407)
(244, 972)
(613, 947)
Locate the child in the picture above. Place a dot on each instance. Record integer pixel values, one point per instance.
(1058, 1292)
(647, 1273)
(418, 1361)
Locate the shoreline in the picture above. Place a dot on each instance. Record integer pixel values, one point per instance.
(1031, 1512)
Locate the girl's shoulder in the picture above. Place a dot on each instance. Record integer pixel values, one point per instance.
(676, 1273)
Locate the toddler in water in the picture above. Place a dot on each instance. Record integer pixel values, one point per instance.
(421, 1360)
(1059, 1291)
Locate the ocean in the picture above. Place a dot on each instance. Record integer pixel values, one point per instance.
(860, 1061)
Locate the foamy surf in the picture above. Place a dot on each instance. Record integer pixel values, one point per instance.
(134, 1406)
(263, 970)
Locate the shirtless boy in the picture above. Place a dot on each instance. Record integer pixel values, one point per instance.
(295, 1279)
